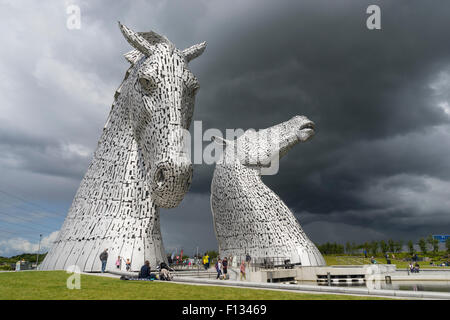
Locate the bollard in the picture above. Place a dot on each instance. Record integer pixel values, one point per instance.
(269, 277)
(329, 278)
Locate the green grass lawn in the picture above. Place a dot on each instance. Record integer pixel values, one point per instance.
(51, 285)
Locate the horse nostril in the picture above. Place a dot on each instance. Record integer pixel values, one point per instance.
(160, 177)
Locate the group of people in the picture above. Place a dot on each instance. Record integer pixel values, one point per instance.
(104, 260)
(145, 272)
(119, 263)
(222, 267)
(414, 268)
(163, 269)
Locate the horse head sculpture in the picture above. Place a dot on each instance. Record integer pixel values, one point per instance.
(160, 91)
(249, 218)
(140, 165)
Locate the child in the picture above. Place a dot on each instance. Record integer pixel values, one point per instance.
(219, 269)
(128, 264)
(243, 270)
(118, 262)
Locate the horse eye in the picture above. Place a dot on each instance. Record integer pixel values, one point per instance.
(147, 85)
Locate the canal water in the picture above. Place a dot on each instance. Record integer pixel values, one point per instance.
(436, 286)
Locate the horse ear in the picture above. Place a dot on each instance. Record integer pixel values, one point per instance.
(133, 56)
(194, 51)
(136, 40)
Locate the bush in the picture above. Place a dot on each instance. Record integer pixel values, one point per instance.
(6, 267)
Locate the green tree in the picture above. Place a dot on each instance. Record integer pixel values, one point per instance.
(384, 247)
(348, 248)
(423, 245)
(212, 255)
(391, 244)
(411, 247)
(374, 247)
(447, 245)
(434, 243)
(398, 246)
(429, 240)
(366, 246)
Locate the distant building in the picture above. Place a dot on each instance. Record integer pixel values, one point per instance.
(441, 238)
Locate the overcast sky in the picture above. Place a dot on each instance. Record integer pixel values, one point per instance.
(377, 168)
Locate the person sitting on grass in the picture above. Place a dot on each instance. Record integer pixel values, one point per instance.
(164, 273)
(373, 261)
(145, 271)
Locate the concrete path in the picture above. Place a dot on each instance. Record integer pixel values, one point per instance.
(396, 294)
(322, 289)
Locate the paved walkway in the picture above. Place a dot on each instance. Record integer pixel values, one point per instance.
(310, 289)
(402, 294)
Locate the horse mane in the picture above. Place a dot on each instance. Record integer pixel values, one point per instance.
(153, 38)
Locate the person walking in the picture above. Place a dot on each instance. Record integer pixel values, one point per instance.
(242, 268)
(248, 259)
(388, 261)
(219, 268)
(225, 268)
(104, 259)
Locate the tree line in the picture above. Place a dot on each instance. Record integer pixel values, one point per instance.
(426, 245)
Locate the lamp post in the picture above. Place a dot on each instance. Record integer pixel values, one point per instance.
(39, 249)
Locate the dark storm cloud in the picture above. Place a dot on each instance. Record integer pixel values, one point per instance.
(377, 167)
(369, 93)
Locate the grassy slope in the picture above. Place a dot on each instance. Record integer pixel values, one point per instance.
(333, 260)
(52, 285)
